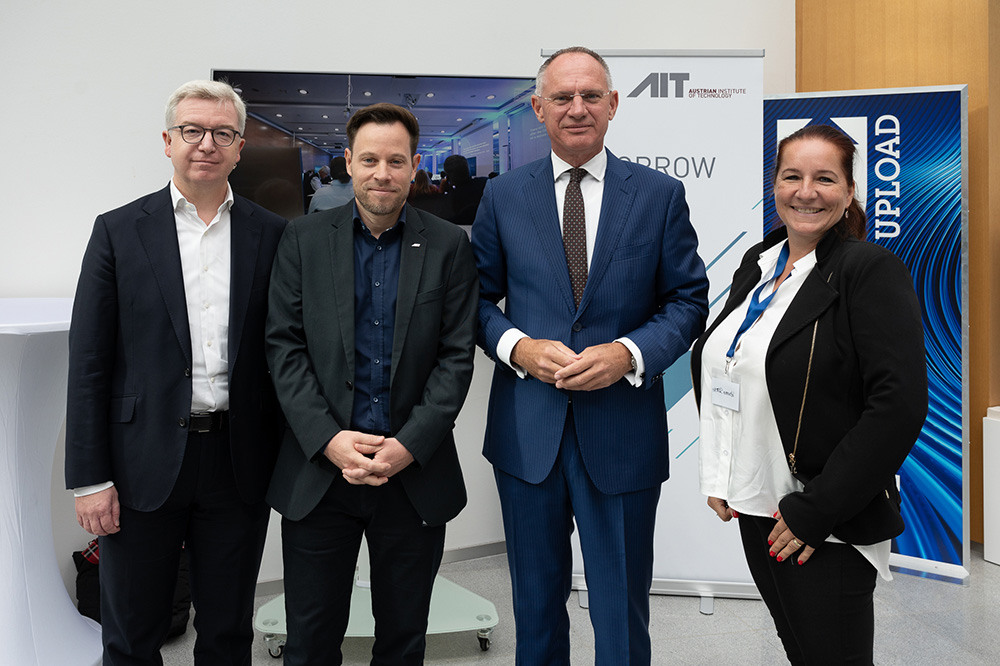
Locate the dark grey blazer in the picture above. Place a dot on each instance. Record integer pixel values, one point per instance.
(310, 349)
(867, 395)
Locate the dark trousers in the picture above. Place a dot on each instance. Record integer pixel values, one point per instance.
(616, 537)
(224, 540)
(822, 609)
(320, 555)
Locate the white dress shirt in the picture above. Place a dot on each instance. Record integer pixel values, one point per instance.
(205, 263)
(592, 189)
(741, 458)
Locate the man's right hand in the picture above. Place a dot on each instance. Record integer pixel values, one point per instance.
(542, 358)
(342, 451)
(98, 513)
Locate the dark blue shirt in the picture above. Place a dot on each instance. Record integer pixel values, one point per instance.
(376, 281)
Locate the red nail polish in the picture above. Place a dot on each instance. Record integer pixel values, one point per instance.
(779, 558)
(800, 562)
(736, 514)
(774, 515)
(771, 553)
(770, 542)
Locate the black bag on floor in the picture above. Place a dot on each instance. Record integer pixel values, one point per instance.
(88, 589)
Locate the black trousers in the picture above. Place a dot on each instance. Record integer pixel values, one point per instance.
(224, 540)
(822, 609)
(320, 555)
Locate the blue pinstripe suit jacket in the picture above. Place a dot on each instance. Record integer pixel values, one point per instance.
(645, 282)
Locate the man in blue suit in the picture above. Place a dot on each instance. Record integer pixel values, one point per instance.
(604, 290)
(172, 425)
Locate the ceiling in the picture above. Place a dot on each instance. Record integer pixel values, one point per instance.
(444, 106)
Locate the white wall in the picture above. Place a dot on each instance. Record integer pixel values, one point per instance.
(84, 84)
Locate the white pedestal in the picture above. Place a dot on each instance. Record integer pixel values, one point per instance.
(991, 485)
(39, 619)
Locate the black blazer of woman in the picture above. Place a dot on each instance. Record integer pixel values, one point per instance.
(866, 399)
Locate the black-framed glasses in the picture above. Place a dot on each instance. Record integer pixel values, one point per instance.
(222, 136)
(589, 97)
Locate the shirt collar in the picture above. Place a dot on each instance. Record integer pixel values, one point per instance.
(595, 166)
(359, 224)
(179, 201)
(768, 258)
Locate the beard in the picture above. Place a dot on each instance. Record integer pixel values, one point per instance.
(379, 206)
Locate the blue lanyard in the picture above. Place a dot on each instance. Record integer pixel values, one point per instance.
(758, 306)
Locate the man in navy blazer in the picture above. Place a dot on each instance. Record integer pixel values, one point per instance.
(577, 424)
(172, 423)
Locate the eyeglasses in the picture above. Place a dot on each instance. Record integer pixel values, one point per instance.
(590, 97)
(222, 136)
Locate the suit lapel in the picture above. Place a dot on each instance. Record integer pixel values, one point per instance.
(245, 231)
(616, 203)
(341, 244)
(411, 265)
(157, 231)
(540, 193)
(815, 295)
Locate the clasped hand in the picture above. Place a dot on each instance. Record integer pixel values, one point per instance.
(367, 459)
(782, 544)
(554, 363)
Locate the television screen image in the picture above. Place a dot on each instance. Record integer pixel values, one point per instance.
(488, 121)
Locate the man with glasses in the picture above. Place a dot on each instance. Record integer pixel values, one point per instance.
(604, 290)
(172, 425)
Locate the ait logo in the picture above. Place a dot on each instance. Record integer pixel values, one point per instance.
(663, 84)
(855, 127)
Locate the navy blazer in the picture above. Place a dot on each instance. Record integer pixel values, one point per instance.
(130, 354)
(867, 396)
(645, 282)
(310, 349)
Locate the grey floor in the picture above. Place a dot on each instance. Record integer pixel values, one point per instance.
(917, 621)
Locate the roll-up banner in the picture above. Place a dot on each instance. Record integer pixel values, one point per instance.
(911, 176)
(694, 115)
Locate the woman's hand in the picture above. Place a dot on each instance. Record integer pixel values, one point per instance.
(721, 508)
(784, 544)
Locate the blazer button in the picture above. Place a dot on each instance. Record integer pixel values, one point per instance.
(187, 372)
(349, 385)
(182, 423)
(577, 327)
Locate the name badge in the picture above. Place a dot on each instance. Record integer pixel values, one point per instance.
(726, 393)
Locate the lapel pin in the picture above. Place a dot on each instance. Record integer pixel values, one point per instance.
(415, 245)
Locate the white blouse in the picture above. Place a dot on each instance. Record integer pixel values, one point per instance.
(741, 458)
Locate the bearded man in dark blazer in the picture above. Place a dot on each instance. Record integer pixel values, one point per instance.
(172, 424)
(370, 340)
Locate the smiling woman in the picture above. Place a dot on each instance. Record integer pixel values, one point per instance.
(812, 192)
(811, 393)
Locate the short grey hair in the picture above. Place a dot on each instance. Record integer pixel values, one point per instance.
(219, 91)
(540, 77)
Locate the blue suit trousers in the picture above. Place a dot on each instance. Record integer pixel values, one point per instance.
(616, 537)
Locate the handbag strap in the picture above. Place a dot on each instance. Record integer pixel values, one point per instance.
(805, 389)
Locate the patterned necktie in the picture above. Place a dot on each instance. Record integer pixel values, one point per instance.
(575, 234)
